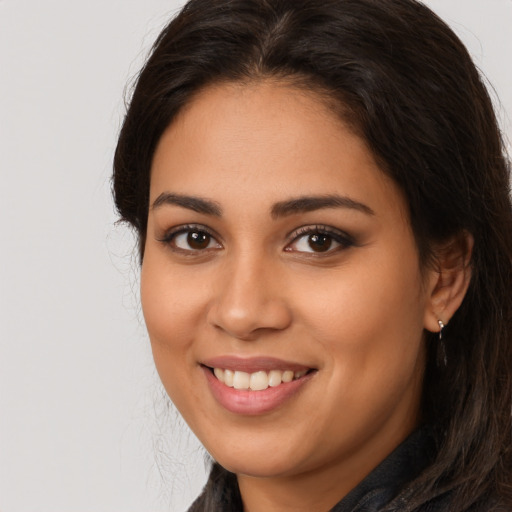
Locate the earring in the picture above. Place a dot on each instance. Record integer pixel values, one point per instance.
(441, 327)
(441, 350)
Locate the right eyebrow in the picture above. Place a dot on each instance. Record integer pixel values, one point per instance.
(194, 203)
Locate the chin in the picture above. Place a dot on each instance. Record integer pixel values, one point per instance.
(257, 459)
(256, 468)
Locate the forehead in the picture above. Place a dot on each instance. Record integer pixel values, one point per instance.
(265, 140)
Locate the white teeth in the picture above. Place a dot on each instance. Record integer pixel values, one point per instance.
(228, 377)
(256, 381)
(241, 380)
(287, 376)
(274, 378)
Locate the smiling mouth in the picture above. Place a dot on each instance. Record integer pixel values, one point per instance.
(256, 381)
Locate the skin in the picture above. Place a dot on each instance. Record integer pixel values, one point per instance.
(355, 313)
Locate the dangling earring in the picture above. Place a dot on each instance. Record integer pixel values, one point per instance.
(441, 327)
(441, 350)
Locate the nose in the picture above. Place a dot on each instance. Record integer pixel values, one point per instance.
(249, 299)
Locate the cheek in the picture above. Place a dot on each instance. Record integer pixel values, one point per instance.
(172, 312)
(370, 329)
(369, 319)
(170, 307)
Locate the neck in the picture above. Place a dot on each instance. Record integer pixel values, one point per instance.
(299, 494)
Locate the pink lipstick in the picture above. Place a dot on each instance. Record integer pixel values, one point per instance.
(252, 386)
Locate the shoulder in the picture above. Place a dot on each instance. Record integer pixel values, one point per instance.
(445, 503)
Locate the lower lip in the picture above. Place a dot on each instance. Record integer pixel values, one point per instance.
(252, 403)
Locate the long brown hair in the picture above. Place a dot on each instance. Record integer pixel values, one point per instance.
(406, 84)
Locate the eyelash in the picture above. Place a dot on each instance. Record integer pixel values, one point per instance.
(344, 240)
(171, 235)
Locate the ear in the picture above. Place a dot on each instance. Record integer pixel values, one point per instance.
(448, 280)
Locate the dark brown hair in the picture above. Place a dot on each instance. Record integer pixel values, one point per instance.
(406, 84)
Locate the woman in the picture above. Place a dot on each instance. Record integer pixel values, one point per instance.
(321, 199)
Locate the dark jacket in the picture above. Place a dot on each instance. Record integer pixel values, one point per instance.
(381, 491)
(386, 481)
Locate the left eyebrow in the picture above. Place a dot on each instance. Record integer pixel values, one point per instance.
(311, 203)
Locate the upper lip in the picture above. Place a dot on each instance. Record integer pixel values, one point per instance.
(253, 364)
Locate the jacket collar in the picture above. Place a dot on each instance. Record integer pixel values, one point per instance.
(387, 480)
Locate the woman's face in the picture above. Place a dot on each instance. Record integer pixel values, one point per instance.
(276, 250)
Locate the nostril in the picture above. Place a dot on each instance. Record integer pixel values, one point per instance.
(249, 318)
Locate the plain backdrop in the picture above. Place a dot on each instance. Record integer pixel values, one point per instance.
(84, 426)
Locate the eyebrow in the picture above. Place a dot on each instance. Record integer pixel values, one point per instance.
(196, 204)
(310, 203)
(292, 206)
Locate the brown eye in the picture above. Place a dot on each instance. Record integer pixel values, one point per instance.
(319, 242)
(193, 240)
(198, 240)
(319, 239)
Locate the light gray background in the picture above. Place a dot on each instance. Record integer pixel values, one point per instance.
(82, 421)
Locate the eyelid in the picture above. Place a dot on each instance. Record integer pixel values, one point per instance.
(172, 233)
(341, 237)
